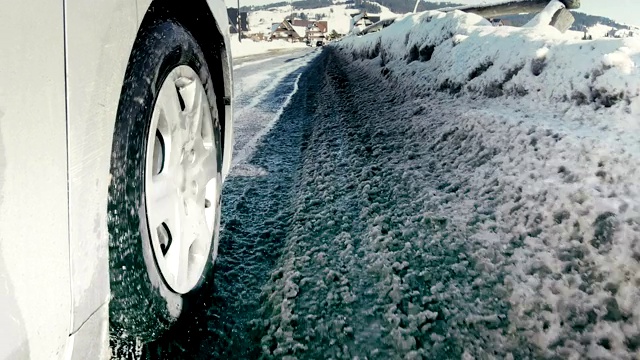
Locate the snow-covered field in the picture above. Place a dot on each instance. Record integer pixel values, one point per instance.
(599, 31)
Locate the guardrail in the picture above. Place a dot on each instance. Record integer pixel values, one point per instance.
(562, 19)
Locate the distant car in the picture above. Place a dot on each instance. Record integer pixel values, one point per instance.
(115, 139)
(319, 43)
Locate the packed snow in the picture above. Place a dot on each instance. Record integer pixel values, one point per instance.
(546, 15)
(463, 53)
(539, 171)
(260, 98)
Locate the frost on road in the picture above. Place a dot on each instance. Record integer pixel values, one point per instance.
(366, 219)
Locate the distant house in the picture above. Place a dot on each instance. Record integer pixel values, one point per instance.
(322, 25)
(287, 31)
(233, 20)
(315, 30)
(316, 34)
(361, 20)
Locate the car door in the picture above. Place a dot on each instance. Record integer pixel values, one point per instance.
(100, 36)
(35, 298)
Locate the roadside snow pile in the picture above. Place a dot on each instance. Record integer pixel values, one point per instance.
(249, 47)
(459, 52)
(533, 162)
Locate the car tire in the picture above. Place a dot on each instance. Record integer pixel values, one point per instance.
(143, 303)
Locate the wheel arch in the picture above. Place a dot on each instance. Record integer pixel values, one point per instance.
(207, 21)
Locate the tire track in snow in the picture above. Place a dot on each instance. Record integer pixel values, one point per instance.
(256, 114)
(277, 103)
(370, 270)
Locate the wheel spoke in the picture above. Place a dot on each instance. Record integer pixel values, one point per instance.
(204, 168)
(209, 168)
(173, 131)
(204, 235)
(178, 258)
(197, 117)
(164, 203)
(195, 98)
(169, 102)
(188, 90)
(208, 163)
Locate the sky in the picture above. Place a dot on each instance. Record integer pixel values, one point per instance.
(625, 11)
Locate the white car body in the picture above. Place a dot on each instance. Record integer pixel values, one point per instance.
(61, 69)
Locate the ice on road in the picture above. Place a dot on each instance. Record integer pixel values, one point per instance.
(260, 98)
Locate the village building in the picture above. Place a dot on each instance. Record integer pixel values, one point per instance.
(315, 30)
(285, 30)
(316, 35)
(322, 25)
(300, 30)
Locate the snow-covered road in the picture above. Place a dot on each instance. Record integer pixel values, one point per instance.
(365, 220)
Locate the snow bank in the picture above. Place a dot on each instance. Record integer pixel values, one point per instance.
(249, 47)
(463, 53)
(545, 16)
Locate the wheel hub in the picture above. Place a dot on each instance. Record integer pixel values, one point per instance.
(181, 180)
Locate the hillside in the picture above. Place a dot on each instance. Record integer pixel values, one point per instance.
(582, 21)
